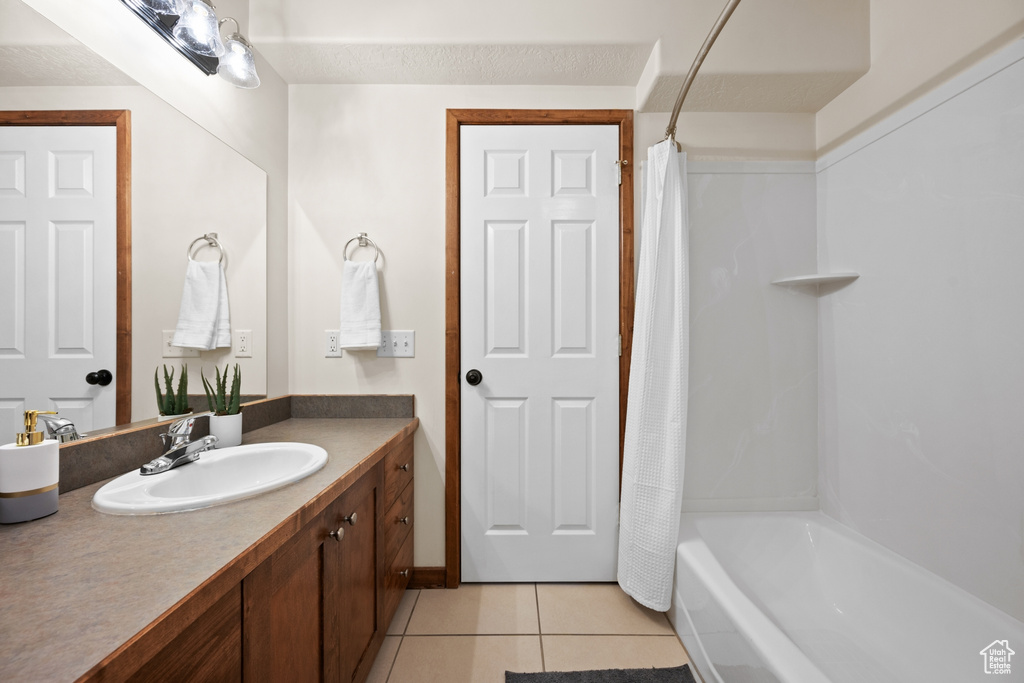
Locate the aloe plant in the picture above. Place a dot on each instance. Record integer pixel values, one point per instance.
(222, 401)
(171, 402)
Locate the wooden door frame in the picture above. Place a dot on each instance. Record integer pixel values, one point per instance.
(121, 119)
(456, 118)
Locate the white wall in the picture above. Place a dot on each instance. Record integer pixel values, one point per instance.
(371, 158)
(915, 46)
(185, 183)
(922, 386)
(752, 430)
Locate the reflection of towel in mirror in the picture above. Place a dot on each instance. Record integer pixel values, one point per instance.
(360, 306)
(204, 321)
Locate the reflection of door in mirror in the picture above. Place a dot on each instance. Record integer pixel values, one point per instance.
(184, 183)
(63, 227)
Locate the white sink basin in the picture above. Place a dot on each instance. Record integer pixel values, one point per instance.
(219, 476)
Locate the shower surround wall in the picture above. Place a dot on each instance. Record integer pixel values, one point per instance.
(922, 358)
(752, 427)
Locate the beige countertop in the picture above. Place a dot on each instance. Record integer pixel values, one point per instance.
(77, 585)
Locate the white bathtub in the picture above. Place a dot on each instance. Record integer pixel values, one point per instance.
(798, 598)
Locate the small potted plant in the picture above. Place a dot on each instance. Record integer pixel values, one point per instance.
(172, 404)
(226, 420)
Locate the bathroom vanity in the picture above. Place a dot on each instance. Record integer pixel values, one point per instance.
(295, 584)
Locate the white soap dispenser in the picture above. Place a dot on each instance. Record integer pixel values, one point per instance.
(29, 474)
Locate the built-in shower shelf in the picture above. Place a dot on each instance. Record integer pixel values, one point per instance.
(817, 279)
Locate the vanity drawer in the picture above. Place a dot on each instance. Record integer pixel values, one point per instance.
(398, 523)
(397, 470)
(396, 579)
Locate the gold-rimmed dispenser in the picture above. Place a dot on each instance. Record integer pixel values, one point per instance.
(29, 474)
(31, 437)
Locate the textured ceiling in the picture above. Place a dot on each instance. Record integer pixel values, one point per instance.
(459, 64)
(778, 56)
(787, 93)
(35, 52)
(56, 65)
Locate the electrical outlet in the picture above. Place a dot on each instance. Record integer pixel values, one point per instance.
(397, 344)
(243, 343)
(331, 344)
(176, 351)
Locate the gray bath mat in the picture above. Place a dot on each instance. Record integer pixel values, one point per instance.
(679, 674)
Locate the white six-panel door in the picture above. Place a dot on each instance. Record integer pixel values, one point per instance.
(58, 273)
(539, 321)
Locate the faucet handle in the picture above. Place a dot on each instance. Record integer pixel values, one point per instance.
(178, 432)
(182, 426)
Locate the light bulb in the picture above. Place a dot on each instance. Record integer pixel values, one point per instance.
(197, 29)
(237, 65)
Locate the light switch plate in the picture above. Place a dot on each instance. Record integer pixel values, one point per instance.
(397, 344)
(176, 351)
(332, 341)
(243, 343)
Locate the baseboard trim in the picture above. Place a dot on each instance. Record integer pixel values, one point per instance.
(428, 577)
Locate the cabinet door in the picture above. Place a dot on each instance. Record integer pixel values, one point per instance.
(354, 624)
(285, 601)
(210, 649)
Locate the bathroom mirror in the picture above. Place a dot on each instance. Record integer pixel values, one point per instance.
(185, 183)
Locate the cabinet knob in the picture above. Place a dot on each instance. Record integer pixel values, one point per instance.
(404, 573)
(351, 519)
(403, 520)
(338, 534)
(405, 467)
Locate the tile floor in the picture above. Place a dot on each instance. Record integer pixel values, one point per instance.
(477, 632)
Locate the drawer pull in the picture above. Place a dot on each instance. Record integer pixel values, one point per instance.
(404, 573)
(404, 468)
(351, 519)
(338, 534)
(403, 520)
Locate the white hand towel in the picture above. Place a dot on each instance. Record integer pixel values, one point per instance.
(360, 306)
(204, 321)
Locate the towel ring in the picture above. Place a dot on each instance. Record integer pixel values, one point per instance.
(363, 240)
(211, 240)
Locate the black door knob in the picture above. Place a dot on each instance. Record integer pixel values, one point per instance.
(474, 377)
(101, 377)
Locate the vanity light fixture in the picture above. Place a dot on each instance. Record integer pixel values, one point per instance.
(238, 65)
(192, 28)
(162, 6)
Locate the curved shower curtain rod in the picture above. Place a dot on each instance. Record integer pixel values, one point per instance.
(670, 132)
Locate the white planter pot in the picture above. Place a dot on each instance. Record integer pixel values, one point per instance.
(165, 418)
(227, 429)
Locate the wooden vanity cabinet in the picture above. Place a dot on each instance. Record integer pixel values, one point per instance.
(315, 609)
(310, 609)
(318, 608)
(359, 627)
(397, 522)
(213, 641)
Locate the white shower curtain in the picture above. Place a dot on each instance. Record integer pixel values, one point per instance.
(655, 439)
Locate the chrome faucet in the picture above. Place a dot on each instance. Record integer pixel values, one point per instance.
(179, 449)
(60, 428)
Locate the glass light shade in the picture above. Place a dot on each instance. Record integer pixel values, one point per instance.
(197, 29)
(237, 65)
(161, 6)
